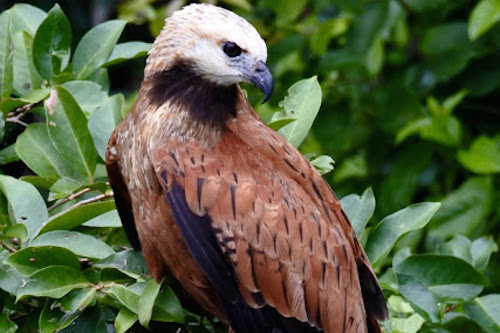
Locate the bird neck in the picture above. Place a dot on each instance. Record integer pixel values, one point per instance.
(186, 107)
(183, 89)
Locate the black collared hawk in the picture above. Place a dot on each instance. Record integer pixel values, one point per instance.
(218, 200)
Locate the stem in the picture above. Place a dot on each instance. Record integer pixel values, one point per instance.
(8, 247)
(69, 198)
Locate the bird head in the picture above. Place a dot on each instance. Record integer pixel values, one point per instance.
(218, 45)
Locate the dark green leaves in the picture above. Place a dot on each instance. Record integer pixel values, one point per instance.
(52, 44)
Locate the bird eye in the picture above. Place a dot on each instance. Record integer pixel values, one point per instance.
(231, 49)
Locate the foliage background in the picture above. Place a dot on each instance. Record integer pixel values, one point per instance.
(409, 108)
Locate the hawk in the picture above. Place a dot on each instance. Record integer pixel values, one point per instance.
(214, 197)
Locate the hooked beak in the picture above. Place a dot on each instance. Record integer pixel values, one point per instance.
(262, 78)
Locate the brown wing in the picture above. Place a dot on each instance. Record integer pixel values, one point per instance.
(279, 240)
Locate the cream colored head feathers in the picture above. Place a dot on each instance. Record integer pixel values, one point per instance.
(196, 35)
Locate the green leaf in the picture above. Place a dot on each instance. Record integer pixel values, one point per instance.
(125, 320)
(69, 133)
(130, 263)
(6, 325)
(323, 163)
(484, 311)
(109, 219)
(147, 301)
(10, 279)
(352, 167)
(483, 156)
(52, 281)
(481, 250)
(78, 243)
(26, 17)
(30, 259)
(276, 124)
(49, 318)
(303, 102)
(16, 230)
(26, 202)
(70, 219)
(483, 17)
(167, 306)
(419, 296)
(35, 149)
(412, 324)
(447, 277)
(359, 209)
(126, 296)
(104, 120)
(78, 299)
(95, 48)
(458, 247)
(445, 130)
(62, 188)
(392, 227)
(126, 51)
(52, 44)
(87, 94)
(463, 210)
(447, 49)
(25, 21)
(26, 77)
(8, 155)
(6, 54)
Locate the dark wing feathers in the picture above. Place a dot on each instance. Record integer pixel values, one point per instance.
(203, 246)
(122, 200)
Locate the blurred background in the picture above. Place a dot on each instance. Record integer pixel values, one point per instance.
(411, 103)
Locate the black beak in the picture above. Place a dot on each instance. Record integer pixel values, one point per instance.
(263, 79)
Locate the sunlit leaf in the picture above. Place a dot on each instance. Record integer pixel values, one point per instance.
(483, 17)
(95, 48)
(483, 156)
(302, 103)
(359, 209)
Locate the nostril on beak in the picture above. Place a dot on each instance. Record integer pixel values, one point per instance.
(261, 67)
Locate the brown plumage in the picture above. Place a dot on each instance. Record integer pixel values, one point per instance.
(214, 197)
